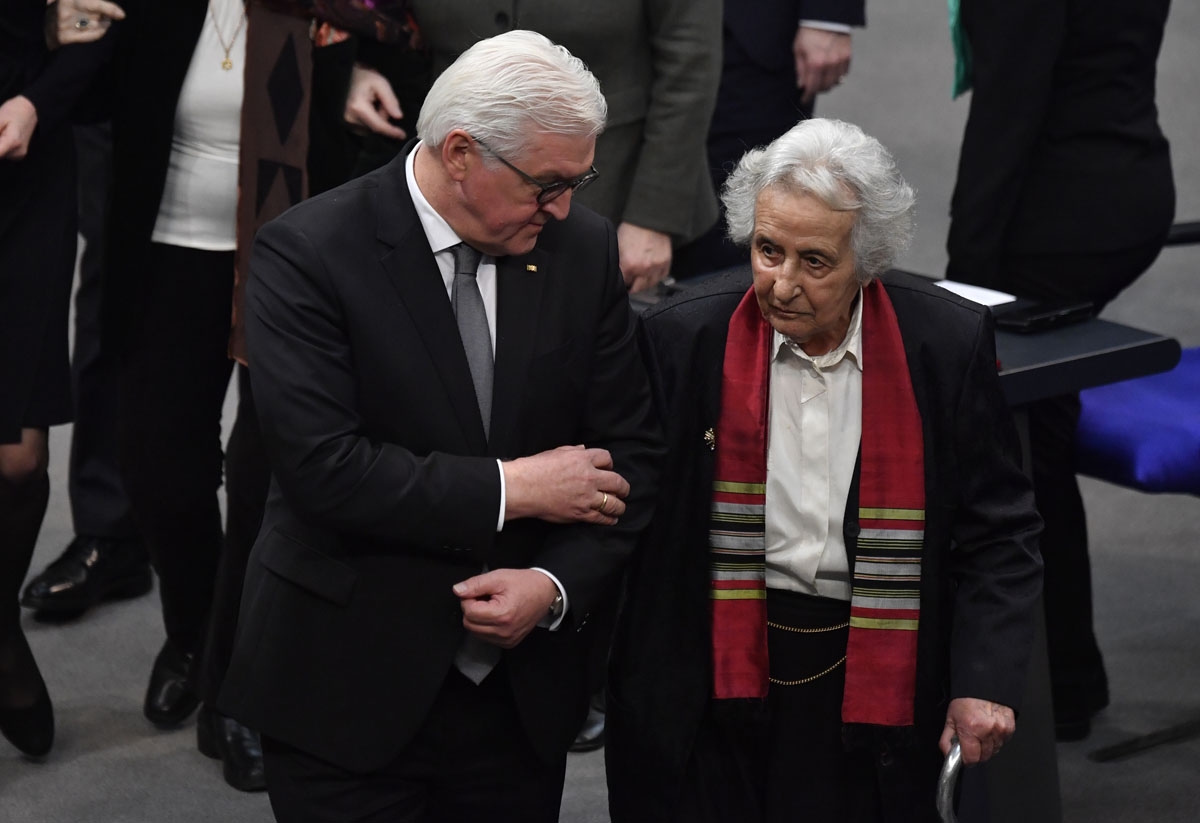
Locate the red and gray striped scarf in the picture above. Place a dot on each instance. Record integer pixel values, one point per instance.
(881, 654)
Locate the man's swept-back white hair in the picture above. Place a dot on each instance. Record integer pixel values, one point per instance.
(845, 169)
(505, 89)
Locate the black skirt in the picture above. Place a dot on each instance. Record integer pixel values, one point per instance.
(37, 263)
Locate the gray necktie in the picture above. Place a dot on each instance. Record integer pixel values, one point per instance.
(475, 658)
(473, 327)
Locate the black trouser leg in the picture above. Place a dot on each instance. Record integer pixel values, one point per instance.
(99, 505)
(247, 477)
(173, 383)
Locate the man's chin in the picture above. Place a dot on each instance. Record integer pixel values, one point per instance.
(523, 241)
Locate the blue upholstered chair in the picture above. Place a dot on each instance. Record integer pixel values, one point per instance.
(1145, 433)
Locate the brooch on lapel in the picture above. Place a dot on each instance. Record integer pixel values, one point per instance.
(530, 267)
(710, 439)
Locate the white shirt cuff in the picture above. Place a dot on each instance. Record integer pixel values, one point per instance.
(503, 499)
(826, 25)
(545, 621)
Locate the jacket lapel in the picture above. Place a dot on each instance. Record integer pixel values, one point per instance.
(408, 261)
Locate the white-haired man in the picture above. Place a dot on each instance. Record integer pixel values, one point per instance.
(442, 520)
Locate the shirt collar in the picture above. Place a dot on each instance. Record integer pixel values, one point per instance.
(441, 237)
(851, 344)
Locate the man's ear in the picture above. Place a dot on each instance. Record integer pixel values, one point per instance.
(458, 154)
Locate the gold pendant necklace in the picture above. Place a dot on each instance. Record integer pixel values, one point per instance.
(226, 64)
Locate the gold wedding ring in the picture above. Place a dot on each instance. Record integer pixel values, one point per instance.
(604, 504)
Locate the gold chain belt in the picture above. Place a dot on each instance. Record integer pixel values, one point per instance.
(818, 675)
(808, 631)
(808, 679)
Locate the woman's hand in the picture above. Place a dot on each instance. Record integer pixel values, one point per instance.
(370, 102)
(981, 726)
(81, 21)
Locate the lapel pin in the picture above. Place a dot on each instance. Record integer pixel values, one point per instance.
(530, 267)
(710, 439)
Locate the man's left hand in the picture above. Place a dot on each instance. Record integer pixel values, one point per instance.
(981, 727)
(645, 256)
(18, 119)
(502, 606)
(822, 60)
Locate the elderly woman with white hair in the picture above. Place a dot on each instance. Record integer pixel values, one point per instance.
(842, 571)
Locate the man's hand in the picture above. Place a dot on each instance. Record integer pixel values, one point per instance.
(570, 484)
(504, 605)
(371, 101)
(18, 119)
(822, 60)
(82, 21)
(645, 256)
(981, 727)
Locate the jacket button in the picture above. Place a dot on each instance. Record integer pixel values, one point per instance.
(502, 19)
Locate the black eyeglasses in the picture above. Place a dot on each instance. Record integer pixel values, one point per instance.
(546, 191)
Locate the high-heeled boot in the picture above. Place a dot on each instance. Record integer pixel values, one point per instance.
(26, 715)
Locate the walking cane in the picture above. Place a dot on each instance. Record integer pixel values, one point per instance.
(946, 781)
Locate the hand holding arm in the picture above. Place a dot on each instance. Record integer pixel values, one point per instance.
(18, 119)
(82, 21)
(570, 484)
(645, 256)
(981, 727)
(822, 59)
(371, 101)
(504, 605)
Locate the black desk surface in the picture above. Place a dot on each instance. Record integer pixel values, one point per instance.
(1078, 356)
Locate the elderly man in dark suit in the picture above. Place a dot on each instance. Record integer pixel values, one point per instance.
(441, 522)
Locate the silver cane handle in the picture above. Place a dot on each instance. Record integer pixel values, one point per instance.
(946, 781)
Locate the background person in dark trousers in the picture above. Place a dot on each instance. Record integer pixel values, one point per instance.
(414, 626)
(1064, 191)
(107, 558)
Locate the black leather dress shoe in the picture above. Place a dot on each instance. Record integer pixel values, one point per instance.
(237, 747)
(591, 736)
(89, 571)
(171, 695)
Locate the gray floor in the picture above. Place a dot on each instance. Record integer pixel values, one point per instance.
(110, 765)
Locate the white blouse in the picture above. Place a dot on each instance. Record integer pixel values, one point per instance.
(199, 203)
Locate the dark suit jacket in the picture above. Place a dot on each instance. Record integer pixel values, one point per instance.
(1062, 151)
(981, 572)
(758, 98)
(767, 28)
(149, 53)
(386, 492)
